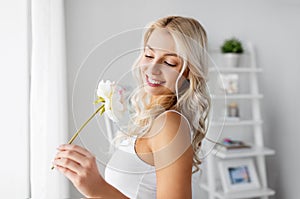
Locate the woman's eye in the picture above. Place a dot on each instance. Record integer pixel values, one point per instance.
(169, 64)
(149, 56)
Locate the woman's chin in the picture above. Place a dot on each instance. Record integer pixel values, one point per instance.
(154, 91)
(158, 91)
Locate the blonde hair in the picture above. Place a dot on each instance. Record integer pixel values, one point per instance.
(194, 101)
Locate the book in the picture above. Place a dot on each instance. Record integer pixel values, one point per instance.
(229, 144)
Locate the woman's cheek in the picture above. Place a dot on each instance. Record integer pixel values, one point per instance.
(143, 66)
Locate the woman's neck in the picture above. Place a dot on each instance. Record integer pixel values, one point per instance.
(165, 101)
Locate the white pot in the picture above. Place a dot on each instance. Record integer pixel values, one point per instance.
(231, 59)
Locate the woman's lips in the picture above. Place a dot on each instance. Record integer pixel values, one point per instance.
(152, 82)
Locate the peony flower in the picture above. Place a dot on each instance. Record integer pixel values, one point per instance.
(111, 97)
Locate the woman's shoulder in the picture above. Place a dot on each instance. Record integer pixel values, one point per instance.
(171, 138)
(167, 126)
(172, 117)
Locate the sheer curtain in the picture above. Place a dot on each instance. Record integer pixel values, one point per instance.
(48, 97)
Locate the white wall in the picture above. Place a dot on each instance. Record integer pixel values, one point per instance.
(14, 76)
(272, 26)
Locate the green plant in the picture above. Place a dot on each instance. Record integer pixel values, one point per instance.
(232, 45)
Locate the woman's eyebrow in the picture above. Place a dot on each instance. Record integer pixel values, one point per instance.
(147, 46)
(167, 54)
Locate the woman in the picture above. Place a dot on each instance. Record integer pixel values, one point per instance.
(171, 110)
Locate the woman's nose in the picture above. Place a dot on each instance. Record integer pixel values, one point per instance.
(154, 67)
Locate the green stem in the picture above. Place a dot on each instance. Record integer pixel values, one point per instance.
(84, 124)
(88, 120)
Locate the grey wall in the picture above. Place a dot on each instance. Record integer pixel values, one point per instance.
(272, 26)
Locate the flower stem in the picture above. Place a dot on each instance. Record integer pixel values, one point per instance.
(101, 109)
(88, 120)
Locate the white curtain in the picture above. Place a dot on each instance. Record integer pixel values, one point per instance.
(48, 98)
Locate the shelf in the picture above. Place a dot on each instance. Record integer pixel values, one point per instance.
(217, 50)
(237, 96)
(236, 70)
(243, 194)
(248, 98)
(242, 153)
(237, 123)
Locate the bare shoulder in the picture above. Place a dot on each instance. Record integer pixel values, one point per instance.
(168, 125)
(170, 133)
(173, 117)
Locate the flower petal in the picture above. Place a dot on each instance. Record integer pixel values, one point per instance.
(104, 89)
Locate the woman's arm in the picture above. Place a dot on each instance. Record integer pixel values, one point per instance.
(173, 157)
(80, 167)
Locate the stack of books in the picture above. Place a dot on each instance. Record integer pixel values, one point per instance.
(228, 144)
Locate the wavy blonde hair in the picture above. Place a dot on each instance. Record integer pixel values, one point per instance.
(193, 101)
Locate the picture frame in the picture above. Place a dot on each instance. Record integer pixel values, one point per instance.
(232, 112)
(238, 174)
(230, 83)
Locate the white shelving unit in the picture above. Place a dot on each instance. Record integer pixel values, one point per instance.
(242, 153)
(239, 96)
(258, 151)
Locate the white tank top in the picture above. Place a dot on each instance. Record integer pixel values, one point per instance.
(129, 174)
(132, 176)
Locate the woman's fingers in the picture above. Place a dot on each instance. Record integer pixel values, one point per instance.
(67, 172)
(74, 158)
(78, 149)
(71, 175)
(72, 155)
(68, 164)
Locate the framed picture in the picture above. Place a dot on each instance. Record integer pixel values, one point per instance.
(238, 174)
(230, 83)
(233, 111)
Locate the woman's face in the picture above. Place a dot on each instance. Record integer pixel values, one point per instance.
(160, 64)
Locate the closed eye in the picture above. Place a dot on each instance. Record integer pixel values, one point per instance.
(149, 56)
(169, 64)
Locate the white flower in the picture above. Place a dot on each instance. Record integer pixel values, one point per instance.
(112, 97)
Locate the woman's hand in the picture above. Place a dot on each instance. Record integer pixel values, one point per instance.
(80, 167)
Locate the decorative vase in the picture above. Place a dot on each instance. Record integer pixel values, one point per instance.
(231, 59)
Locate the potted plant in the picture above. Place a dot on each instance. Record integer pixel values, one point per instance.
(232, 49)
